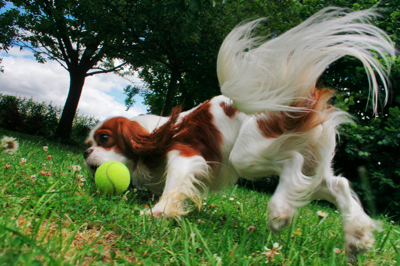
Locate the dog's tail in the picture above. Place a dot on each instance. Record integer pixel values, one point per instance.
(275, 75)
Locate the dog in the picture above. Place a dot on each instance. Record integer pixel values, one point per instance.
(270, 120)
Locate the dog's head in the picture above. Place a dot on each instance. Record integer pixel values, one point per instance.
(115, 139)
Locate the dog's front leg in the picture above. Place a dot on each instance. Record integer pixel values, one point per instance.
(184, 180)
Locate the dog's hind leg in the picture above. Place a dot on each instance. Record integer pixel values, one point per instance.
(254, 156)
(358, 227)
(280, 209)
(294, 190)
(184, 176)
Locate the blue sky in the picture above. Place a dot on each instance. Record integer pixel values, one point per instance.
(102, 94)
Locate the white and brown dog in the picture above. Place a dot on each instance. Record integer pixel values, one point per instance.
(271, 120)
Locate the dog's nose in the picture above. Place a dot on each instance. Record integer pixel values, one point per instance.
(87, 153)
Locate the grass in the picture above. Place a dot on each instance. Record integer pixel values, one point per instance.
(59, 219)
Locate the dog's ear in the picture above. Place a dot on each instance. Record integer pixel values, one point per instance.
(132, 136)
(139, 141)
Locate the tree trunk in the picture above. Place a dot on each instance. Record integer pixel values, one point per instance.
(171, 91)
(77, 80)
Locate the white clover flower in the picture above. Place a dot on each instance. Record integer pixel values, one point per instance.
(270, 253)
(336, 250)
(218, 259)
(76, 167)
(9, 144)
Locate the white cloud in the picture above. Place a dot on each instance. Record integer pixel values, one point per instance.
(49, 82)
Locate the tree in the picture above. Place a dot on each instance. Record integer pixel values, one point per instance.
(8, 32)
(179, 46)
(65, 31)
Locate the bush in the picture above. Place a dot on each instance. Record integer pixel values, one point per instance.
(369, 157)
(82, 126)
(11, 114)
(41, 119)
(27, 116)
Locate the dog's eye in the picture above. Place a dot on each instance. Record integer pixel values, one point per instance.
(103, 139)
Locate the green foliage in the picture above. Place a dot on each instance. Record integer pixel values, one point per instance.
(28, 116)
(81, 127)
(7, 28)
(11, 116)
(178, 52)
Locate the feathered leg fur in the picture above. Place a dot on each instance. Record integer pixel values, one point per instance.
(183, 181)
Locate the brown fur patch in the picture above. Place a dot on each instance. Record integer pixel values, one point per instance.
(229, 109)
(194, 134)
(274, 124)
(198, 131)
(122, 132)
(185, 150)
(89, 143)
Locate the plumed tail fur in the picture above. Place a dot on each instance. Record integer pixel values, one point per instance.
(276, 74)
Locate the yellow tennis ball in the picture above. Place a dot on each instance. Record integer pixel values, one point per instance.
(112, 178)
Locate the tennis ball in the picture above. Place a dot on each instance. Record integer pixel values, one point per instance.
(112, 178)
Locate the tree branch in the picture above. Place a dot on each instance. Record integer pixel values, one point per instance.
(117, 68)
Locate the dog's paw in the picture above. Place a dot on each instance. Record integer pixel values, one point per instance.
(358, 236)
(167, 209)
(280, 215)
(154, 214)
(159, 211)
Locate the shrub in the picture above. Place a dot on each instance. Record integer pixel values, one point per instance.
(11, 115)
(82, 126)
(30, 117)
(41, 118)
(369, 157)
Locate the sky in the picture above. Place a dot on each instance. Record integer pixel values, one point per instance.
(102, 94)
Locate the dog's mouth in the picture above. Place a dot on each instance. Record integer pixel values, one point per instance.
(93, 167)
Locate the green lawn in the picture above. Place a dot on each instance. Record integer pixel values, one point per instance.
(52, 214)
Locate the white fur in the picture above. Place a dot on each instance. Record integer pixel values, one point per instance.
(270, 76)
(184, 180)
(262, 76)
